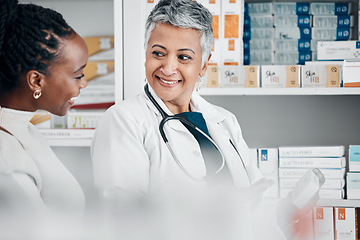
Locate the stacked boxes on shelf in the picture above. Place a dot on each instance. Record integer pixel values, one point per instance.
(353, 176)
(268, 164)
(258, 34)
(336, 223)
(292, 32)
(295, 161)
(100, 91)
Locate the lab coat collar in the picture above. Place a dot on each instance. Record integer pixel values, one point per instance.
(197, 103)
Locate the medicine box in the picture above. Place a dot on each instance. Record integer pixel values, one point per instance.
(291, 8)
(351, 73)
(330, 173)
(320, 76)
(96, 69)
(353, 185)
(100, 48)
(261, 21)
(292, 57)
(212, 77)
(240, 76)
(84, 119)
(262, 33)
(312, 151)
(292, 21)
(293, 33)
(323, 223)
(329, 8)
(260, 8)
(338, 50)
(316, 162)
(323, 193)
(291, 45)
(231, 32)
(261, 44)
(280, 76)
(321, 21)
(328, 184)
(354, 158)
(268, 163)
(346, 223)
(331, 33)
(261, 57)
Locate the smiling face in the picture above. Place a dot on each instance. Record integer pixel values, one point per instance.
(173, 64)
(65, 78)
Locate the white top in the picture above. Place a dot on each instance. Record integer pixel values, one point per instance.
(129, 153)
(29, 160)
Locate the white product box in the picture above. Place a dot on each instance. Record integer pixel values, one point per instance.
(323, 193)
(286, 57)
(320, 76)
(331, 34)
(345, 223)
(261, 57)
(354, 158)
(323, 223)
(328, 184)
(292, 21)
(334, 173)
(262, 21)
(292, 33)
(329, 8)
(351, 73)
(280, 76)
(291, 45)
(84, 119)
(353, 185)
(293, 8)
(67, 133)
(262, 44)
(338, 50)
(312, 151)
(323, 21)
(231, 32)
(315, 162)
(240, 76)
(268, 162)
(260, 8)
(262, 33)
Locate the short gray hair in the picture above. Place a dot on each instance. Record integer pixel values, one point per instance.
(183, 14)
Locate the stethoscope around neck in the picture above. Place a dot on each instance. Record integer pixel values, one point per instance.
(166, 118)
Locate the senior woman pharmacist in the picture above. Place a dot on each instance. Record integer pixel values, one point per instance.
(129, 151)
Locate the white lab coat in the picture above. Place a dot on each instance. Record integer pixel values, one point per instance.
(129, 153)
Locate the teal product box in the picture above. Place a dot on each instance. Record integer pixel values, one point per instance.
(293, 45)
(331, 34)
(326, 21)
(292, 8)
(354, 158)
(292, 21)
(329, 8)
(262, 21)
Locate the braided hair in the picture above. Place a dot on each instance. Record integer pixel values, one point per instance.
(30, 39)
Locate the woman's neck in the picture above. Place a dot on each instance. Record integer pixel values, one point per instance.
(176, 108)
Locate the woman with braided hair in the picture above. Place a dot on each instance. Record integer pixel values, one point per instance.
(41, 67)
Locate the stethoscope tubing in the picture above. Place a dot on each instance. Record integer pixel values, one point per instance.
(166, 118)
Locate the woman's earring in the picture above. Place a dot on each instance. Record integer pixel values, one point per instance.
(37, 94)
(198, 85)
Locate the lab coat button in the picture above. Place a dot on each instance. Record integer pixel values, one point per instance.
(197, 154)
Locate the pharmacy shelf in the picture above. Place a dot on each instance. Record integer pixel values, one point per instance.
(68, 137)
(338, 203)
(277, 91)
